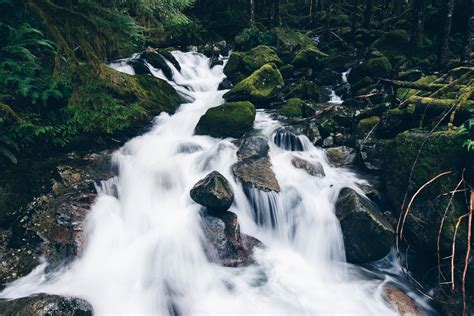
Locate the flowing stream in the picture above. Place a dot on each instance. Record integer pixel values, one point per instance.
(144, 254)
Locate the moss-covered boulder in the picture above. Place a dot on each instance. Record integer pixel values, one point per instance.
(307, 90)
(290, 40)
(261, 87)
(368, 236)
(231, 119)
(435, 154)
(292, 108)
(379, 67)
(242, 64)
(395, 121)
(116, 102)
(258, 57)
(309, 56)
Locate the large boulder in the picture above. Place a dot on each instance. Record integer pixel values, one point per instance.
(224, 244)
(232, 119)
(261, 87)
(368, 236)
(46, 305)
(234, 69)
(434, 154)
(213, 192)
(254, 168)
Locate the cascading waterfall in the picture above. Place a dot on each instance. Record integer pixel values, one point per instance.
(144, 239)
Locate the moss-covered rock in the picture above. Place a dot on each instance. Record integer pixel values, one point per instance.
(441, 152)
(115, 102)
(234, 67)
(231, 119)
(258, 57)
(328, 77)
(309, 56)
(307, 90)
(262, 86)
(395, 121)
(366, 126)
(368, 236)
(405, 93)
(379, 67)
(290, 40)
(292, 108)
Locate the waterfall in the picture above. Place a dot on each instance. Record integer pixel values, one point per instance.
(144, 254)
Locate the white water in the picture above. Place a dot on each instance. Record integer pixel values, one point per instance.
(144, 253)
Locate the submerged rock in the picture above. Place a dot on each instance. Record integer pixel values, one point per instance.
(232, 119)
(46, 305)
(313, 169)
(404, 304)
(224, 244)
(262, 86)
(213, 192)
(368, 236)
(254, 167)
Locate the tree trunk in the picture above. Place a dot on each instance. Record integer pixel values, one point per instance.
(312, 10)
(369, 8)
(468, 36)
(252, 12)
(444, 51)
(419, 8)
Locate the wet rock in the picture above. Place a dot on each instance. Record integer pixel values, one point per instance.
(158, 61)
(225, 84)
(213, 192)
(328, 141)
(314, 169)
(139, 66)
(262, 86)
(404, 304)
(253, 147)
(257, 173)
(254, 168)
(342, 156)
(46, 305)
(52, 224)
(232, 119)
(368, 236)
(224, 244)
(288, 139)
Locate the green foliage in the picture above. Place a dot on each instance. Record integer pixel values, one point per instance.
(467, 132)
(251, 37)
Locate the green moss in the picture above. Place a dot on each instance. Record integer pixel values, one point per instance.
(442, 152)
(262, 86)
(292, 108)
(403, 93)
(395, 121)
(231, 119)
(379, 67)
(290, 40)
(233, 66)
(309, 56)
(116, 101)
(258, 57)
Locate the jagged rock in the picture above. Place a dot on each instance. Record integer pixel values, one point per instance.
(232, 119)
(254, 167)
(46, 305)
(224, 244)
(404, 304)
(342, 156)
(314, 169)
(213, 192)
(262, 86)
(368, 236)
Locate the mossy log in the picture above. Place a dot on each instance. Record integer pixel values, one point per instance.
(418, 85)
(440, 103)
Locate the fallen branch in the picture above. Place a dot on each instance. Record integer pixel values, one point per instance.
(416, 85)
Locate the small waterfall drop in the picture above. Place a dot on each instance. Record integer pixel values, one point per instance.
(144, 251)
